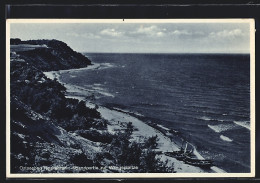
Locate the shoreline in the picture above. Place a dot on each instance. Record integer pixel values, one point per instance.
(118, 118)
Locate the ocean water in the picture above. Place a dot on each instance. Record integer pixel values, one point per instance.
(206, 97)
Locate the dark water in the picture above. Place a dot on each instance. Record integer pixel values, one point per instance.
(205, 97)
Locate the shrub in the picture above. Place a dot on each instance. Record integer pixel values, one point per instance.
(81, 160)
(76, 123)
(151, 142)
(128, 153)
(129, 128)
(96, 136)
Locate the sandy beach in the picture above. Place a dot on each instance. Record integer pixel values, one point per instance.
(117, 120)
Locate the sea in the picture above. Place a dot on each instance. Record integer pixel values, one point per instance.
(205, 97)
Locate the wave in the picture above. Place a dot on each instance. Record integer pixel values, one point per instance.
(205, 118)
(161, 105)
(198, 155)
(106, 65)
(102, 91)
(89, 67)
(163, 127)
(90, 89)
(127, 111)
(225, 138)
(94, 66)
(98, 88)
(221, 127)
(245, 124)
(218, 170)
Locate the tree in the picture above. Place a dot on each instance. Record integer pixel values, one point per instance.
(152, 142)
(81, 108)
(126, 153)
(129, 128)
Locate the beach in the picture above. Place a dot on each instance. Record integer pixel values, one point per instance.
(118, 119)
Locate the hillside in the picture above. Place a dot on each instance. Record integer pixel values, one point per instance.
(49, 55)
(52, 133)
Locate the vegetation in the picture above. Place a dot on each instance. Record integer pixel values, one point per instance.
(39, 109)
(55, 55)
(126, 152)
(96, 136)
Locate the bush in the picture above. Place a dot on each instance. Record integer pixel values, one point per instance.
(131, 155)
(81, 160)
(128, 153)
(76, 123)
(151, 142)
(96, 136)
(129, 128)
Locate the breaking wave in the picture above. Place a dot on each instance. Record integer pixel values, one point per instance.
(221, 127)
(225, 138)
(245, 124)
(205, 118)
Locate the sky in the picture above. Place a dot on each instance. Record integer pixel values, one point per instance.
(142, 37)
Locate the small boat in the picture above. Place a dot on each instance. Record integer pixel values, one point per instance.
(198, 162)
(189, 158)
(179, 155)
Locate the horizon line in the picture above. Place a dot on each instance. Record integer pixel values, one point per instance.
(231, 53)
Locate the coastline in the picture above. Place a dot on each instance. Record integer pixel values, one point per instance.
(118, 119)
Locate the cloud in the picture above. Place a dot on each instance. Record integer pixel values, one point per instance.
(227, 33)
(180, 32)
(187, 33)
(85, 35)
(150, 31)
(111, 32)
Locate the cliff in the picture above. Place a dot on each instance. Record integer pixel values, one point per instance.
(41, 116)
(49, 55)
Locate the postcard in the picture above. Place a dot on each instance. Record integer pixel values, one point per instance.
(124, 98)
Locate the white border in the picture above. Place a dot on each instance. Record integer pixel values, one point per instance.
(133, 175)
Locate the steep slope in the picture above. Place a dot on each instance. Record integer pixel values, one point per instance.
(50, 55)
(52, 133)
(40, 113)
